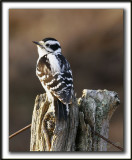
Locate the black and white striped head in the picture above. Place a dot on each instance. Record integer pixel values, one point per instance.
(47, 46)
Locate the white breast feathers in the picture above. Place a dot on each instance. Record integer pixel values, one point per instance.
(55, 66)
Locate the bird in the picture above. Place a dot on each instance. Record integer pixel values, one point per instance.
(55, 74)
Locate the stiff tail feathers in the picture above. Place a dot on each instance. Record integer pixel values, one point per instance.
(60, 111)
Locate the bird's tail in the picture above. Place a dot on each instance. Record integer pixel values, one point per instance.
(61, 110)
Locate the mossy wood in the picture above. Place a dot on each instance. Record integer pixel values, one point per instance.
(91, 112)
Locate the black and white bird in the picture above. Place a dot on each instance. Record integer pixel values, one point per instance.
(55, 75)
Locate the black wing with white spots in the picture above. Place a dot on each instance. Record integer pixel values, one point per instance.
(59, 83)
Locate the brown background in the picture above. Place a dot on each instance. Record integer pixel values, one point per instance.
(91, 40)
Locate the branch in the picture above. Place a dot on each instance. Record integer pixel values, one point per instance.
(19, 131)
(107, 140)
(90, 104)
(94, 110)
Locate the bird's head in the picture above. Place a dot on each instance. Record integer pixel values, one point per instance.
(48, 46)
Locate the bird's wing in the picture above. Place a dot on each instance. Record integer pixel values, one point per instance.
(60, 84)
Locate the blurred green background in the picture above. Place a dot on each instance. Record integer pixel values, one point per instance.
(91, 40)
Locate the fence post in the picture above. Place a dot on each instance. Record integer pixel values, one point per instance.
(88, 114)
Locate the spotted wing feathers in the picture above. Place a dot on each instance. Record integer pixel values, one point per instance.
(60, 84)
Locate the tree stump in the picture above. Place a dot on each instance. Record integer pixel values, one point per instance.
(92, 112)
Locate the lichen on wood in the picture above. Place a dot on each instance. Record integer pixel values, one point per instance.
(95, 108)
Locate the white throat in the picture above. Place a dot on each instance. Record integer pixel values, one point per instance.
(41, 52)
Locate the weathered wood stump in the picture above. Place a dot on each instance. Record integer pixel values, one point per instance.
(92, 112)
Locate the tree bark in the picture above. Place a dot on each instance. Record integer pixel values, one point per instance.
(92, 112)
(46, 135)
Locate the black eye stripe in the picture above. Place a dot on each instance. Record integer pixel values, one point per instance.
(54, 46)
(47, 44)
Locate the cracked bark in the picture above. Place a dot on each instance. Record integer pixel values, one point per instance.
(92, 111)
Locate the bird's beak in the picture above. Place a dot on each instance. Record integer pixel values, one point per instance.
(36, 43)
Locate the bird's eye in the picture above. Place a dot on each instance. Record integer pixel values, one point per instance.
(47, 45)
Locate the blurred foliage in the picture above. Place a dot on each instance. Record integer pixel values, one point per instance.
(91, 40)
